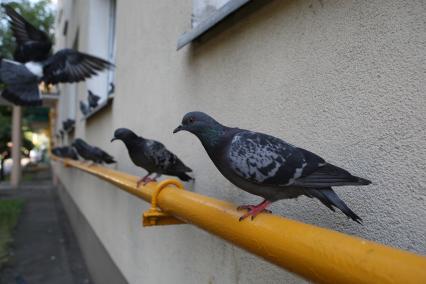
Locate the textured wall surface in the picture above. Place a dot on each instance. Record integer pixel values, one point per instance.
(344, 79)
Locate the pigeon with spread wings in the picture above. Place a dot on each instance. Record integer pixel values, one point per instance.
(34, 64)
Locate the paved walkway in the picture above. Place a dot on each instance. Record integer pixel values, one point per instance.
(45, 249)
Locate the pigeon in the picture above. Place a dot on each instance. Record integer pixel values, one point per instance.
(31, 43)
(68, 124)
(152, 156)
(65, 152)
(84, 108)
(268, 166)
(92, 153)
(111, 89)
(34, 63)
(93, 99)
(61, 135)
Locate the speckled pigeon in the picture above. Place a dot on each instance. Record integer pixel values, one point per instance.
(152, 156)
(268, 166)
(92, 153)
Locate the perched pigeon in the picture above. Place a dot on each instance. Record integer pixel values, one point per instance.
(269, 167)
(34, 63)
(111, 89)
(92, 153)
(62, 135)
(93, 99)
(84, 108)
(152, 156)
(65, 152)
(68, 124)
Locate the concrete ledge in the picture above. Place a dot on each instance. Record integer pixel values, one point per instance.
(99, 263)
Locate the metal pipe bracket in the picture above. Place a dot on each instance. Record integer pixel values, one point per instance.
(154, 216)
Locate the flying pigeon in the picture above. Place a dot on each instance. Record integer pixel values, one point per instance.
(152, 156)
(84, 108)
(92, 99)
(34, 63)
(65, 152)
(268, 166)
(92, 153)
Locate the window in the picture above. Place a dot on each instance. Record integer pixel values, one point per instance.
(206, 14)
(102, 43)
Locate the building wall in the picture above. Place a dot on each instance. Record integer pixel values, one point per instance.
(344, 79)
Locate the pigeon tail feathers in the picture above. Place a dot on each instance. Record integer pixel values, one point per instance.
(331, 197)
(184, 177)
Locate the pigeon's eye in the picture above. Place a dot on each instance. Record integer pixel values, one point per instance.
(191, 120)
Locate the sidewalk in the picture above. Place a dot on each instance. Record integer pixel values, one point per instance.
(45, 249)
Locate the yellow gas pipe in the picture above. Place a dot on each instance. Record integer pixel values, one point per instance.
(317, 254)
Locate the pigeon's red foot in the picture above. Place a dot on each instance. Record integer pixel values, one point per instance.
(144, 181)
(254, 210)
(251, 207)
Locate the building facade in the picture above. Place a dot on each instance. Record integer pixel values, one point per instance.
(343, 79)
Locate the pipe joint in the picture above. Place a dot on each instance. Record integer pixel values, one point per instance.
(154, 216)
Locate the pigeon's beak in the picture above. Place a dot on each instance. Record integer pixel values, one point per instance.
(179, 128)
(113, 139)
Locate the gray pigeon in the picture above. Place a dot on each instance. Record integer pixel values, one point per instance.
(268, 166)
(68, 124)
(152, 156)
(92, 99)
(65, 152)
(92, 153)
(84, 108)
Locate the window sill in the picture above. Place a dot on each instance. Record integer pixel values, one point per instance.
(99, 108)
(207, 24)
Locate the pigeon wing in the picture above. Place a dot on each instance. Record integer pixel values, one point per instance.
(327, 175)
(163, 158)
(22, 85)
(32, 43)
(22, 30)
(69, 66)
(267, 160)
(103, 156)
(264, 159)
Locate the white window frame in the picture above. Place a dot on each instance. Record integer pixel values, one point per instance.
(206, 14)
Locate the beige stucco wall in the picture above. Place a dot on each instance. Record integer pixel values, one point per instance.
(344, 79)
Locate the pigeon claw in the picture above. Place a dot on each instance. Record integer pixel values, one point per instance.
(254, 210)
(251, 207)
(144, 181)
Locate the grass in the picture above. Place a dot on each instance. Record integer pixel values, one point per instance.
(9, 214)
